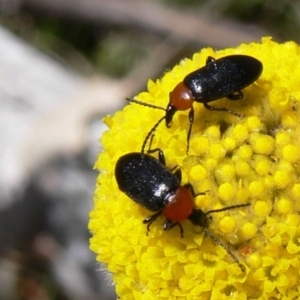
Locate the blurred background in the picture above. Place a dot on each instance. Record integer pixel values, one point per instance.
(64, 64)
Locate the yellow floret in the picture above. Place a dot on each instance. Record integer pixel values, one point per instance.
(296, 191)
(249, 230)
(242, 168)
(240, 132)
(225, 172)
(282, 178)
(289, 119)
(244, 152)
(213, 132)
(198, 173)
(227, 224)
(254, 123)
(283, 206)
(255, 260)
(262, 208)
(261, 143)
(282, 138)
(200, 145)
(229, 143)
(217, 151)
(263, 166)
(226, 191)
(251, 158)
(291, 153)
(256, 188)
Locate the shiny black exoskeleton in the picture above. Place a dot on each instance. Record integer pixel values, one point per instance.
(148, 182)
(223, 77)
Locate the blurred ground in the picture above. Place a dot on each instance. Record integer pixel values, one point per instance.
(63, 66)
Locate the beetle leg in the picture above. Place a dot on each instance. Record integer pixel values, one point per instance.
(221, 109)
(161, 156)
(174, 168)
(235, 96)
(162, 160)
(191, 188)
(209, 59)
(191, 119)
(169, 225)
(178, 174)
(149, 220)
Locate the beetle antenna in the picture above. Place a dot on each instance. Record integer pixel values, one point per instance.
(145, 104)
(151, 133)
(226, 248)
(220, 242)
(226, 208)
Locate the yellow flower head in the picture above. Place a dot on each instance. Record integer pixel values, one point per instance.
(251, 159)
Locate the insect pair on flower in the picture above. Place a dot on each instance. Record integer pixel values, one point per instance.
(146, 179)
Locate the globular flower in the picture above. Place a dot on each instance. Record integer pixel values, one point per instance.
(252, 158)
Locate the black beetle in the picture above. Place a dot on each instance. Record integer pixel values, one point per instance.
(223, 77)
(148, 182)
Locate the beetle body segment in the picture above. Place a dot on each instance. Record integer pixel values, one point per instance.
(223, 77)
(146, 180)
(180, 206)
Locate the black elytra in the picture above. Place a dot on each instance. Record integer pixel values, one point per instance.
(143, 178)
(149, 183)
(219, 78)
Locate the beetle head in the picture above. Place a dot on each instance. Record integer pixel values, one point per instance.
(170, 111)
(198, 217)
